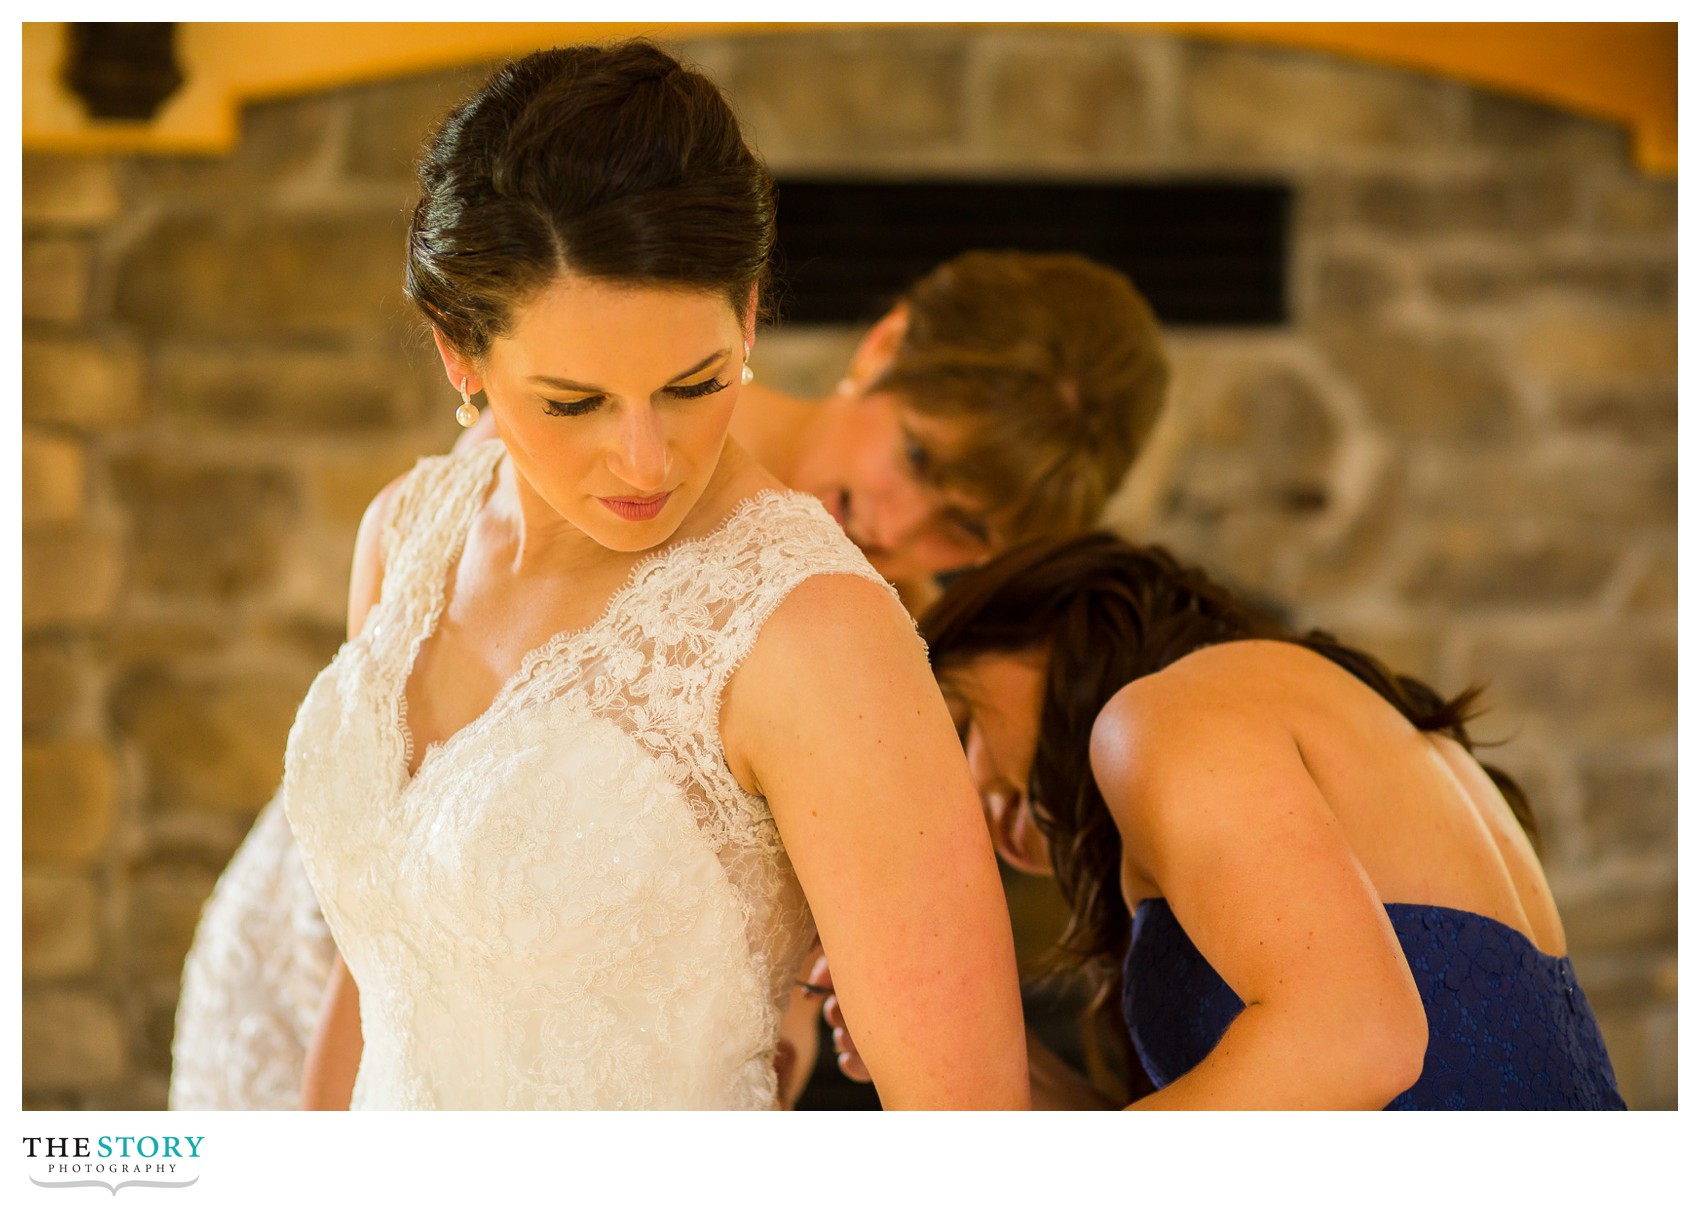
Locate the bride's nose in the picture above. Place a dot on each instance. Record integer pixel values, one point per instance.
(639, 455)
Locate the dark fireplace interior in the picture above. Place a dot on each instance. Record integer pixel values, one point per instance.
(1205, 253)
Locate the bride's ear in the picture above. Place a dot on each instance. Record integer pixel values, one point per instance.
(750, 309)
(456, 366)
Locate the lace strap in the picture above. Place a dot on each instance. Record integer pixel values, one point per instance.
(781, 546)
(787, 545)
(436, 488)
(427, 523)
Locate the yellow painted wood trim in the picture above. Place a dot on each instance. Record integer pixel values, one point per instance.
(227, 64)
(1623, 72)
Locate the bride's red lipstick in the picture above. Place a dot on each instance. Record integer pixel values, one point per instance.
(637, 509)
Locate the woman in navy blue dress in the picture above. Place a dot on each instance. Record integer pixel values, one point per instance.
(1308, 890)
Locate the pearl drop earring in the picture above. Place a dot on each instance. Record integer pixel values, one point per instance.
(748, 376)
(467, 413)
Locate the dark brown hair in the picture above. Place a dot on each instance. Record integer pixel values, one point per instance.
(1055, 361)
(1109, 613)
(615, 162)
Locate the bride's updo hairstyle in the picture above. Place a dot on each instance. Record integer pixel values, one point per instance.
(612, 162)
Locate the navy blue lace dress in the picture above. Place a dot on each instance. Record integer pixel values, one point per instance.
(1509, 1028)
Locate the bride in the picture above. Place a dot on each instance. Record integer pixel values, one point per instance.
(1002, 397)
(621, 722)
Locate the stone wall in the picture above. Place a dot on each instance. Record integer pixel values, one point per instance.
(1460, 453)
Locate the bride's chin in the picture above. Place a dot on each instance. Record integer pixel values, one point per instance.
(632, 538)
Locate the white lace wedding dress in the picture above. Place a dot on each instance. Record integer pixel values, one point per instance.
(253, 980)
(572, 904)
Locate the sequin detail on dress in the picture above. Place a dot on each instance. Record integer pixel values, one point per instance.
(1509, 1027)
(572, 903)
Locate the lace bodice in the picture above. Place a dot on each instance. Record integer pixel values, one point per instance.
(572, 903)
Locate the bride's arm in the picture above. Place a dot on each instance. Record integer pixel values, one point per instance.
(333, 1055)
(1055, 1086)
(836, 719)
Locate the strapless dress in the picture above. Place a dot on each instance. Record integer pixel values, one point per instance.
(1509, 1027)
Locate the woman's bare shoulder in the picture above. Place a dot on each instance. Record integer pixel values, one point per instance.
(1246, 679)
(839, 658)
(1248, 666)
(366, 578)
(1238, 676)
(1186, 712)
(839, 616)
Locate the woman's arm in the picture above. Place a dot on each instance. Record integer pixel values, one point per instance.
(836, 719)
(1215, 805)
(1055, 1086)
(333, 1055)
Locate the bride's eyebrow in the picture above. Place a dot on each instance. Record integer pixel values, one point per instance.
(569, 385)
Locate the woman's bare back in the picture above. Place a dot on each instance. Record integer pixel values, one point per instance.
(1423, 818)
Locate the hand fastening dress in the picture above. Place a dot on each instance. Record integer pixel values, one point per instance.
(572, 903)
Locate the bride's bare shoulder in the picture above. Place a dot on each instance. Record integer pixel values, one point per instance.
(366, 578)
(835, 640)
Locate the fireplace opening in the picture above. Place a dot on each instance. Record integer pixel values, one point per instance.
(1204, 253)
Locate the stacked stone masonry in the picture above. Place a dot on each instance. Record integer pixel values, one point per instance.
(1460, 452)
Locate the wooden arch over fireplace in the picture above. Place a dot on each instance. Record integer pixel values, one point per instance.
(1623, 72)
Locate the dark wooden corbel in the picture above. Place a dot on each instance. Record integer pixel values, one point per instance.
(122, 70)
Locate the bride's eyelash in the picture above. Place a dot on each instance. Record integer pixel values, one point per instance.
(578, 408)
(697, 390)
(571, 408)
